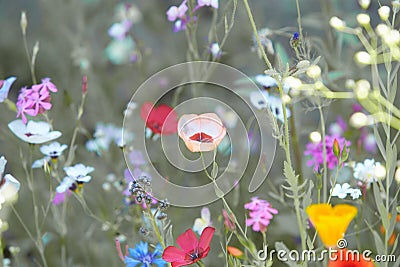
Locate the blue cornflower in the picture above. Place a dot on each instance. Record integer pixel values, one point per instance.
(142, 256)
(296, 35)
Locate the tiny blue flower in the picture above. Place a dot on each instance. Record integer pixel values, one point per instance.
(296, 35)
(141, 255)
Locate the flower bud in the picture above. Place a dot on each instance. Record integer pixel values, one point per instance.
(337, 23)
(84, 85)
(363, 19)
(314, 72)
(364, 4)
(363, 57)
(23, 22)
(336, 148)
(384, 12)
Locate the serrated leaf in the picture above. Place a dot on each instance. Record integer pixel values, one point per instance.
(307, 199)
(280, 246)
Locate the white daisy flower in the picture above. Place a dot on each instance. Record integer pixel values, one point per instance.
(266, 81)
(54, 150)
(33, 132)
(259, 99)
(79, 173)
(66, 184)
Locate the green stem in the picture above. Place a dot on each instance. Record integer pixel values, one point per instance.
(155, 227)
(325, 171)
(200, 264)
(253, 25)
(296, 148)
(299, 20)
(71, 151)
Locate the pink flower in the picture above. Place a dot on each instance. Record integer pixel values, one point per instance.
(175, 12)
(60, 197)
(212, 3)
(35, 100)
(229, 221)
(261, 213)
(201, 132)
(316, 152)
(45, 86)
(178, 15)
(192, 250)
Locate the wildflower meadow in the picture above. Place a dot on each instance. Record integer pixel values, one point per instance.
(199, 133)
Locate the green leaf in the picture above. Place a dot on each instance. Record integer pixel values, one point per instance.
(381, 208)
(281, 53)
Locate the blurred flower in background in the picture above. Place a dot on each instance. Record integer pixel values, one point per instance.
(5, 86)
(9, 186)
(201, 223)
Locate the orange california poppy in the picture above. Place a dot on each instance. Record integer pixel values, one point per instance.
(331, 222)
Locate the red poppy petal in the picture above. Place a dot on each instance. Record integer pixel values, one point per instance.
(206, 237)
(188, 241)
(163, 111)
(173, 254)
(179, 264)
(145, 110)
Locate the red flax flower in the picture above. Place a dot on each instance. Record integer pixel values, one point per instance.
(192, 250)
(161, 119)
(348, 258)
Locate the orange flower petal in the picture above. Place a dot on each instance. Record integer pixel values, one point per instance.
(235, 252)
(331, 222)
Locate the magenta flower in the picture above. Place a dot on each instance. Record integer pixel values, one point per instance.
(211, 3)
(45, 86)
(178, 15)
(261, 213)
(175, 12)
(315, 150)
(35, 100)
